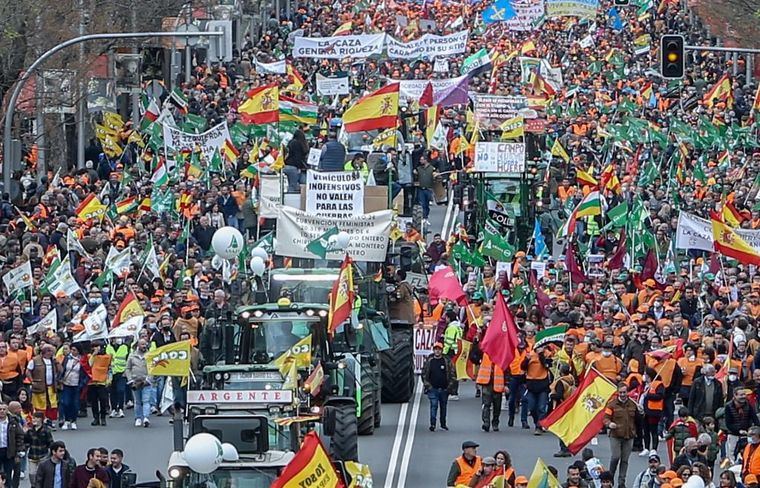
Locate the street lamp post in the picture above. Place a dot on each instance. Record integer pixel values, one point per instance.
(7, 136)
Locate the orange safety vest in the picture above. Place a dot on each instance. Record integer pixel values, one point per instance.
(689, 369)
(751, 460)
(663, 368)
(610, 367)
(9, 367)
(536, 370)
(100, 364)
(466, 472)
(655, 405)
(515, 367)
(488, 369)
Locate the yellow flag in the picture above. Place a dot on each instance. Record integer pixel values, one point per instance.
(279, 163)
(431, 121)
(300, 352)
(169, 360)
(396, 234)
(113, 120)
(513, 128)
(558, 150)
(542, 477)
(360, 474)
(461, 363)
(135, 137)
(291, 376)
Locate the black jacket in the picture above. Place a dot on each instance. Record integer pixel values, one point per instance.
(740, 418)
(450, 373)
(15, 437)
(698, 400)
(116, 477)
(46, 474)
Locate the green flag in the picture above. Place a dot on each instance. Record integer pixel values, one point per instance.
(321, 245)
(194, 123)
(495, 246)
(618, 216)
(185, 235)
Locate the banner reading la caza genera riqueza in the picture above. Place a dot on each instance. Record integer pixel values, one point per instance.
(696, 233)
(363, 46)
(369, 234)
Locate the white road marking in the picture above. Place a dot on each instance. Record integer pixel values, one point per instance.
(400, 428)
(410, 438)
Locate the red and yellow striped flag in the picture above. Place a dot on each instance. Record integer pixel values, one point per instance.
(585, 179)
(721, 92)
(378, 110)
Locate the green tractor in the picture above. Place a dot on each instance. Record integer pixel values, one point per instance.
(348, 400)
(392, 339)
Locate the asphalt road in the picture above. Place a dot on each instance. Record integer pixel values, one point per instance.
(402, 452)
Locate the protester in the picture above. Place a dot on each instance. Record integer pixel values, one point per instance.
(83, 473)
(437, 375)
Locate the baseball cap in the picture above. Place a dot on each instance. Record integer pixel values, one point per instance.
(521, 480)
(750, 478)
(467, 444)
(437, 345)
(676, 482)
(489, 460)
(669, 475)
(654, 457)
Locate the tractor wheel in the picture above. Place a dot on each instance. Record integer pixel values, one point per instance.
(398, 367)
(344, 443)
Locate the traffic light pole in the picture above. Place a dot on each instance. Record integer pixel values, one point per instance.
(737, 50)
(8, 126)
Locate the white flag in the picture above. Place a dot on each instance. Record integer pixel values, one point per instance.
(18, 278)
(73, 244)
(167, 395)
(59, 281)
(130, 328)
(439, 138)
(151, 261)
(118, 262)
(48, 322)
(95, 327)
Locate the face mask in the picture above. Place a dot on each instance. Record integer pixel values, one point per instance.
(75, 308)
(709, 378)
(692, 358)
(732, 377)
(96, 301)
(752, 440)
(27, 309)
(606, 353)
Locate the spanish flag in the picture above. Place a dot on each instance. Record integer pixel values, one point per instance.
(129, 308)
(464, 367)
(310, 465)
(579, 419)
(144, 205)
(90, 208)
(731, 215)
(527, 47)
(341, 296)
(646, 92)
(730, 244)
(230, 151)
(262, 106)
(610, 179)
(344, 29)
(378, 110)
(296, 80)
(540, 85)
(721, 91)
(126, 206)
(585, 179)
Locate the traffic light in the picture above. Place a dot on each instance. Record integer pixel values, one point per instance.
(672, 56)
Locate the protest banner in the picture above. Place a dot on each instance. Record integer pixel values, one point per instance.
(500, 157)
(369, 234)
(491, 110)
(278, 67)
(584, 9)
(338, 47)
(526, 15)
(335, 194)
(424, 339)
(209, 141)
(332, 86)
(441, 65)
(429, 45)
(413, 88)
(314, 155)
(695, 232)
(270, 190)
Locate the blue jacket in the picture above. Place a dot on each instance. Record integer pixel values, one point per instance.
(333, 156)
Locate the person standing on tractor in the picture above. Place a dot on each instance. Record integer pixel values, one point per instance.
(437, 374)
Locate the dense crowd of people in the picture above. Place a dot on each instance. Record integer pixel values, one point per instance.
(675, 329)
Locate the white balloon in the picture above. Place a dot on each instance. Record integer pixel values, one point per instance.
(217, 263)
(343, 238)
(260, 252)
(229, 452)
(227, 242)
(257, 265)
(203, 453)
